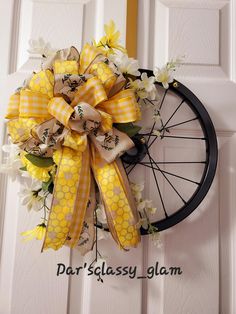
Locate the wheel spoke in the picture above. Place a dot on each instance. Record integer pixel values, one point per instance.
(180, 123)
(163, 98)
(150, 101)
(176, 162)
(125, 167)
(171, 174)
(164, 127)
(129, 170)
(153, 141)
(176, 191)
(157, 185)
(149, 165)
(167, 128)
(183, 137)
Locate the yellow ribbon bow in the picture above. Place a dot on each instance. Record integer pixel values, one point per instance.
(67, 112)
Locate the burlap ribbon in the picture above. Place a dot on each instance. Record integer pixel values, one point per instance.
(67, 111)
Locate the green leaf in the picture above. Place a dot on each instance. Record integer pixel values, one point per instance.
(23, 168)
(42, 162)
(129, 128)
(48, 186)
(45, 185)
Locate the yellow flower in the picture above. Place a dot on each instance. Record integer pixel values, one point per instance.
(41, 174)
(38, 233)
(111, 40)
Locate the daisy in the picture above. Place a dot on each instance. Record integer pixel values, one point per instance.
(12, 163)
(38, 173)
(32, 196)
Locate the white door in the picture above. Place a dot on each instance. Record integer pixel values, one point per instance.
(204, 245)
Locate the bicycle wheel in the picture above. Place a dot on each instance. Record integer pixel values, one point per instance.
(176, 155)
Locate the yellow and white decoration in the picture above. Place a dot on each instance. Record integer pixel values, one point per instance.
(74, 133)
(66, 121)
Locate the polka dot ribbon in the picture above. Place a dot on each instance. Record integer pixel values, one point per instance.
(79, 95)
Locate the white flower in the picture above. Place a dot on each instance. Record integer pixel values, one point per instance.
(141, 206)
(174, 63)
(142, 222)
(101, 215)
(32, 195)
(12, 162)
(39, 46)
(146, 205)
(156, 133)
(156, 239)
(138, 88)
(137, 191)
(125, 64)
(164, 76)
(144, 88)
(156, 117)
(148, 85)
(152, 210)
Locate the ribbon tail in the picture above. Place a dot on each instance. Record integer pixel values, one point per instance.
(82, 202)
(126, 186)
(121, 219)
(86, 240)
(64, 198)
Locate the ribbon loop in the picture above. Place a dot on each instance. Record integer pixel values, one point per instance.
(13, 107)
(88, 56)
(105, 74)
(60, 109)
(66, 67)
(122, 107)
(85, 118)
(42, 82)
(91, 92)
(33, 104)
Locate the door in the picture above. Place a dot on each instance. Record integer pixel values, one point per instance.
(204, 244)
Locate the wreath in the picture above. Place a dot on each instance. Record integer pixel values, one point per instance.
(69, 124)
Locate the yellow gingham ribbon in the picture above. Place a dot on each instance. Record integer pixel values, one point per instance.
(92, 92)
(35, 105)
(60, 109)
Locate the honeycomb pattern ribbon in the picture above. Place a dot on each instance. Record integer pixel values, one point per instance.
(67, 112)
